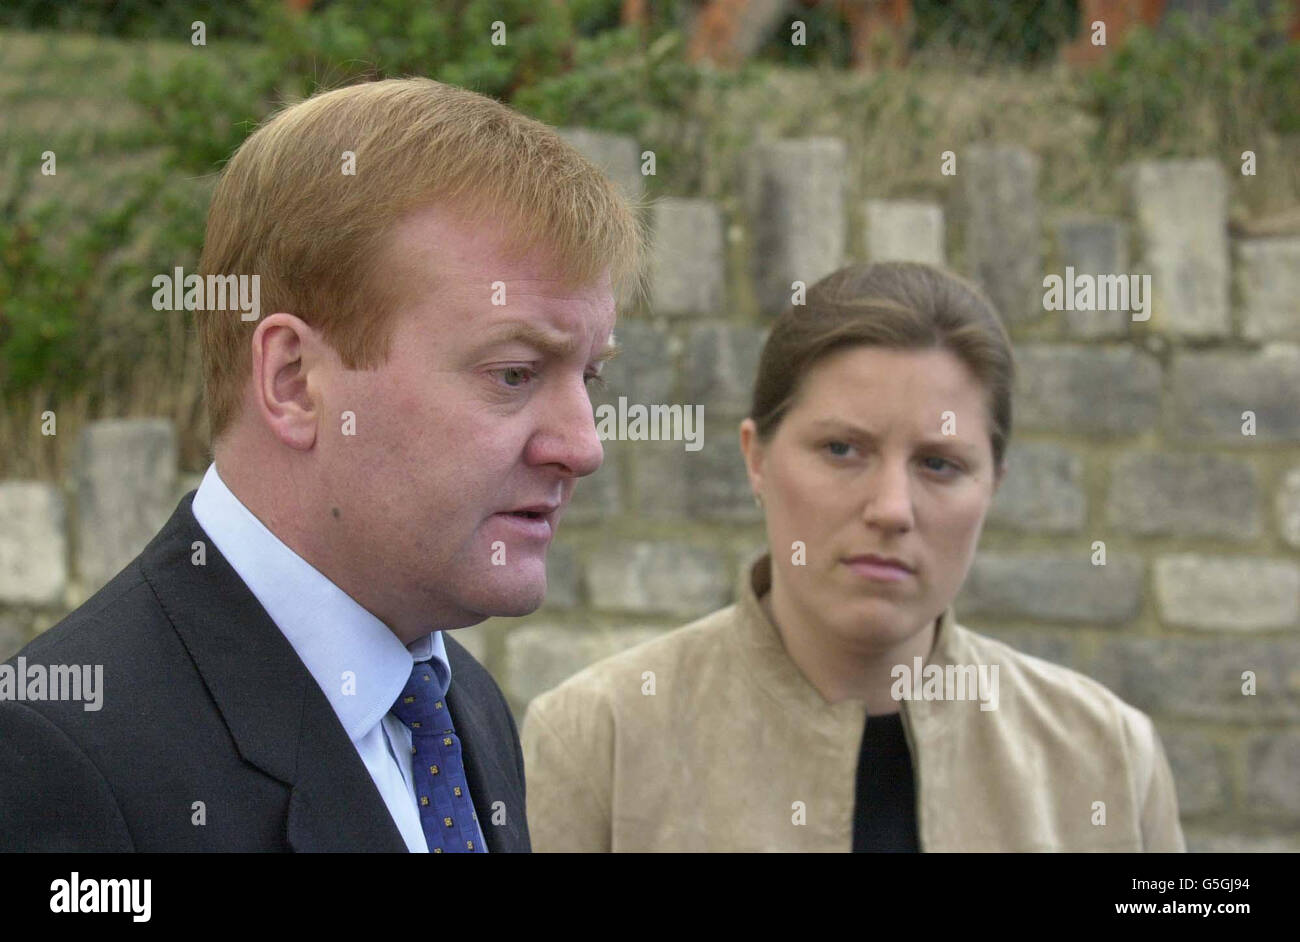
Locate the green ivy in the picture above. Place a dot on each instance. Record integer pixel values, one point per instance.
(49, 324)
(1168, 91)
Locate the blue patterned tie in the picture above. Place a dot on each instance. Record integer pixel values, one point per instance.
(446, 812)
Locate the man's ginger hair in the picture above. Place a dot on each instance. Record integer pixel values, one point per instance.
(318, 237)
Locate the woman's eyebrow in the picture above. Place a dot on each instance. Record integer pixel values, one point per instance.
(845, 425)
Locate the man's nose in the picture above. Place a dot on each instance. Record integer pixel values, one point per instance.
(567, 435)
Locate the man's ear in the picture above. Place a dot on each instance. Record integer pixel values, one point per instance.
(283, 396)
(752, 449)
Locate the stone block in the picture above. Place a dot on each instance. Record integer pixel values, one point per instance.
(721, 366)
(1194, 495)
(1211, 392)
(1227, 593)
(795, 194)
(646, 365)
(1053, 586)
(1003, 243)
(33, 543)
(1181, 208)
(1085, 391)
(1287, 506)
(1272, 771)
(1042, 491)
(126, 478)
(688, 268)
(1268, 281)
(904, 231)
(1204, 680)
(541, 656)
(668, 578)
(1201, 771)
(1095, 246)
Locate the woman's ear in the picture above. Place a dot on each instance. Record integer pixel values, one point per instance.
(752, 449)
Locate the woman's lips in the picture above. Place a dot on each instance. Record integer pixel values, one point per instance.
(877, 571)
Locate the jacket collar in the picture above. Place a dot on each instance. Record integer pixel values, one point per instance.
(277, 715)
(774, 671)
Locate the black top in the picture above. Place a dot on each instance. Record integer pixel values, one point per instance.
(884, 810)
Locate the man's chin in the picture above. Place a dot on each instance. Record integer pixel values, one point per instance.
(514, 598)
(517, 606)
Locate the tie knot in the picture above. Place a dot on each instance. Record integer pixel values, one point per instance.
(422, 704)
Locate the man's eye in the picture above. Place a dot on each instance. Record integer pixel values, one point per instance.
(839, 449)
(945, 461)
(514, 376)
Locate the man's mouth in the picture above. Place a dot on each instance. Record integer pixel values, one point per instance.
(536, 511)
(535, 521)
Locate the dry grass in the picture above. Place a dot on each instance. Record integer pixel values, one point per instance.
(896, 124)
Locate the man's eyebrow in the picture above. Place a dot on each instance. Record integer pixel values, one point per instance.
(552, 343)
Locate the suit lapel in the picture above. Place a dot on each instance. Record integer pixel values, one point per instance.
(489, 782)
(335, 805)
(279, 719)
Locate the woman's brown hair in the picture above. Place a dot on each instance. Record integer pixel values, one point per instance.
(895, 305)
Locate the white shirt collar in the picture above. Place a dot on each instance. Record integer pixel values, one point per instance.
(360, 665)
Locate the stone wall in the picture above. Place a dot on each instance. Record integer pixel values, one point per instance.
(1174, 441)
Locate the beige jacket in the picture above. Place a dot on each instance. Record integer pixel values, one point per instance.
(734, 737)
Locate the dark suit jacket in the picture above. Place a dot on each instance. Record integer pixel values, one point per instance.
(204, 700)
